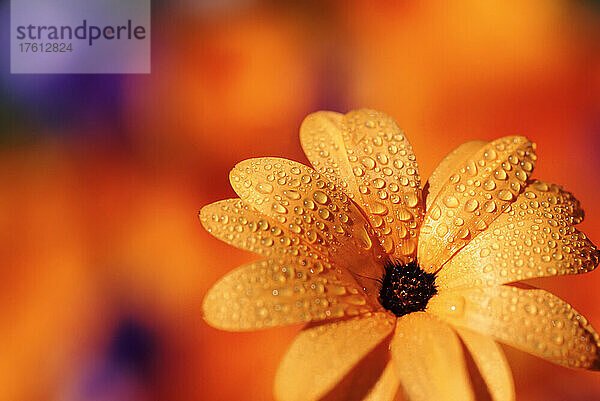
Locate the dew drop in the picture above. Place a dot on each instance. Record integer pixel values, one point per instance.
(264, 188)
(368, 162)
(363, 238)
(471, 205)
(358, 171)
(336, 290)
(295, 228)
(279, 208)
(441, 230)
(489, 185)
(311, 236)
(490, 154)
(521, 175)
(387, 244)
(471, 168)
(436, 212)
(324, 214)
(376, 221)
(291, 194)
(480, 225)
(451, 201)
(489, 206)
(377, 208)
(320, 197)
(527, 166)
(354, 300)
(383, 159)
(403, 215)
(378, 183)
(505, 195)
(463, 233)
(266, 242)
(500, 174)
(411, 199)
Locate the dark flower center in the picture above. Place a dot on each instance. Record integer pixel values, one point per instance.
(406, 288)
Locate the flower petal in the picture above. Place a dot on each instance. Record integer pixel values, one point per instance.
(531, 320)
(429, 359)
(307, 203)
(322, 355)
(473, 197)
(452, 162)
(239, 225)
(387, 387)
(492, 364)
(534, 237)
(367, 154)
(273, 293)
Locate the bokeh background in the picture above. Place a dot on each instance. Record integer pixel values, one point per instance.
(104, 263)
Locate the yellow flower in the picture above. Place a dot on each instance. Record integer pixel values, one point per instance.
(395, 278)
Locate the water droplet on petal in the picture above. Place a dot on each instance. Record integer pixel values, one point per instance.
(436, 212)
(403, 215)
(411, 199)
(471, 205)
(264, 188)
(378, 183)
(441, 230)
(489, 206)
(279, 209)
(291, 194)
(471, 168)
(363, 238)
(321, 197)
(500, 174)
(377, 207)
(489, 185)
(324, 214)
(451, 201)
(368, 162)
(490, 154)
(358, 171)
(505, 195)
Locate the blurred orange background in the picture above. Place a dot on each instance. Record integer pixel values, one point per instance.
(105, 263)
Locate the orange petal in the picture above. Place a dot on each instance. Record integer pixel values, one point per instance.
(492, 364)
(451, 163)
(368, 155)
(534, 237)
(473, 196)
(429, 359)
(387, 387)
(243, 227)
(532, 320)
(273, 293)
(305, 202)
(322, 355)
(323, 143)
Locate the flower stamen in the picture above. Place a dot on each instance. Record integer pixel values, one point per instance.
(405, 288)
